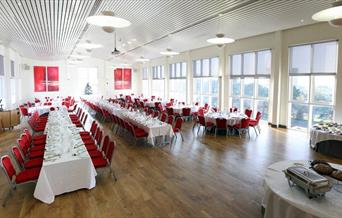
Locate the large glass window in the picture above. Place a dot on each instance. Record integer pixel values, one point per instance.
(158, 82)
(312, 72)
(87, 75)
(250, 81)
(206, 83)
(145, 85)
(177, 82)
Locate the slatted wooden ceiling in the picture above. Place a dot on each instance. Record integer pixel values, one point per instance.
(51, 28)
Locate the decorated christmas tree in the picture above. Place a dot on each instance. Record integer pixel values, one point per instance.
(88, 90)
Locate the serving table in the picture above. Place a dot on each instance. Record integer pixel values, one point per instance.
(327, 139)
(67, 165)
(280, 200)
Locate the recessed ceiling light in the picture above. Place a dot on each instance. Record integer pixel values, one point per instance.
(169, 52)
(220, 40)
(142, 59)
(129, 42)
(133, 40)
(88, 45)
(107, 19)
(302, 21)
(332, 15)
(123, 45)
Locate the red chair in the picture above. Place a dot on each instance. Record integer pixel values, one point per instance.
(170, 119)
(156, 114)
(248, 113)
(178, 127)
(14, 178)
(186, 113)
(99, 153)
(137, 133)
(203, 123)
(29, 164)
(233, 109)
(24, 111)
(163, 117)
(221, 124)
(255, 123)
(106, 161)
(169, 111)
(243, 126)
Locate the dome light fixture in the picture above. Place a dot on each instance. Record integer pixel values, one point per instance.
(169, 52)
(332, 15)
(108, 21)
(142, 59)
(220, 40)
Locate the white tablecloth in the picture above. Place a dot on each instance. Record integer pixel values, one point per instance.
(178, 108)
(40, 109)
(67, 165)
(317, 136)
(232, 118)
(282, 201)
(153, 126)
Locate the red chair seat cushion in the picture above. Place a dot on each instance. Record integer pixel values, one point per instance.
(38, 137)
(140, 133)
(92, 147)
(252, 122)
(88, 141)
(39, 142)
(36, 154)
(95, 153)
(38, 148)
(99, 162)
(27, 175)
(38, 162)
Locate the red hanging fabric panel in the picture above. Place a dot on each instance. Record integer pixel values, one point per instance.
(39, 78)
(118, 79)
(53, 79)
(127, 80)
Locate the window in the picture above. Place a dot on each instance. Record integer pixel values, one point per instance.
(250, 81)
(312, 72)
(145, 91)
(87, 75)
(158, 82)
(2, 81)
(13, 90)
(206, 82)
(177, 85)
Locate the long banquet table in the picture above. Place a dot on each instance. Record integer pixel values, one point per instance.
(67, 165)
(153, 126)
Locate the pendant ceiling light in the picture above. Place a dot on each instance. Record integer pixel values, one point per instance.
(332, 15)
(220, 40)
(108, 21)
(142, 59)
(169, 52)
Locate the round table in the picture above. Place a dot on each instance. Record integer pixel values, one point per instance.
(232, 118)
(282, 201)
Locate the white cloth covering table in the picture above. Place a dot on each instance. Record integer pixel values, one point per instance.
(178, 108)
(67, 165)
(282, 201)
(232, 118)
(40, 109)
(318, 135)
(153, 126)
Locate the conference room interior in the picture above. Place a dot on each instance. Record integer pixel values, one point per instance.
(116, 108)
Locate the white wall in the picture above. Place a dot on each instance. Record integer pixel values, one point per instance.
(278, 42)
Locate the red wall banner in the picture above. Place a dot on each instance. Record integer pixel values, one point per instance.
(39, 78)
(53, 79)
(122, 78)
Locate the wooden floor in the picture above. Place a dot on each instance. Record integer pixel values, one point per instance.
(205, 176)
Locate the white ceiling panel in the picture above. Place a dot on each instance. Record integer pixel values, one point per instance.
(50, 29)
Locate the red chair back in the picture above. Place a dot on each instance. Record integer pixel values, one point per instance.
(169, 111)
(8, 167)
(24, 111)
(163, 117)
(156, 114)
(178, 124)
(201, 120)
(105, 144)
(258, 117)
(110, 151)
(244, 123)
(17, 155)
(201, 112)
(248, 112)
(186, 111)
(221, 123)
(85, 119)
(206, 106)
(170, 119)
